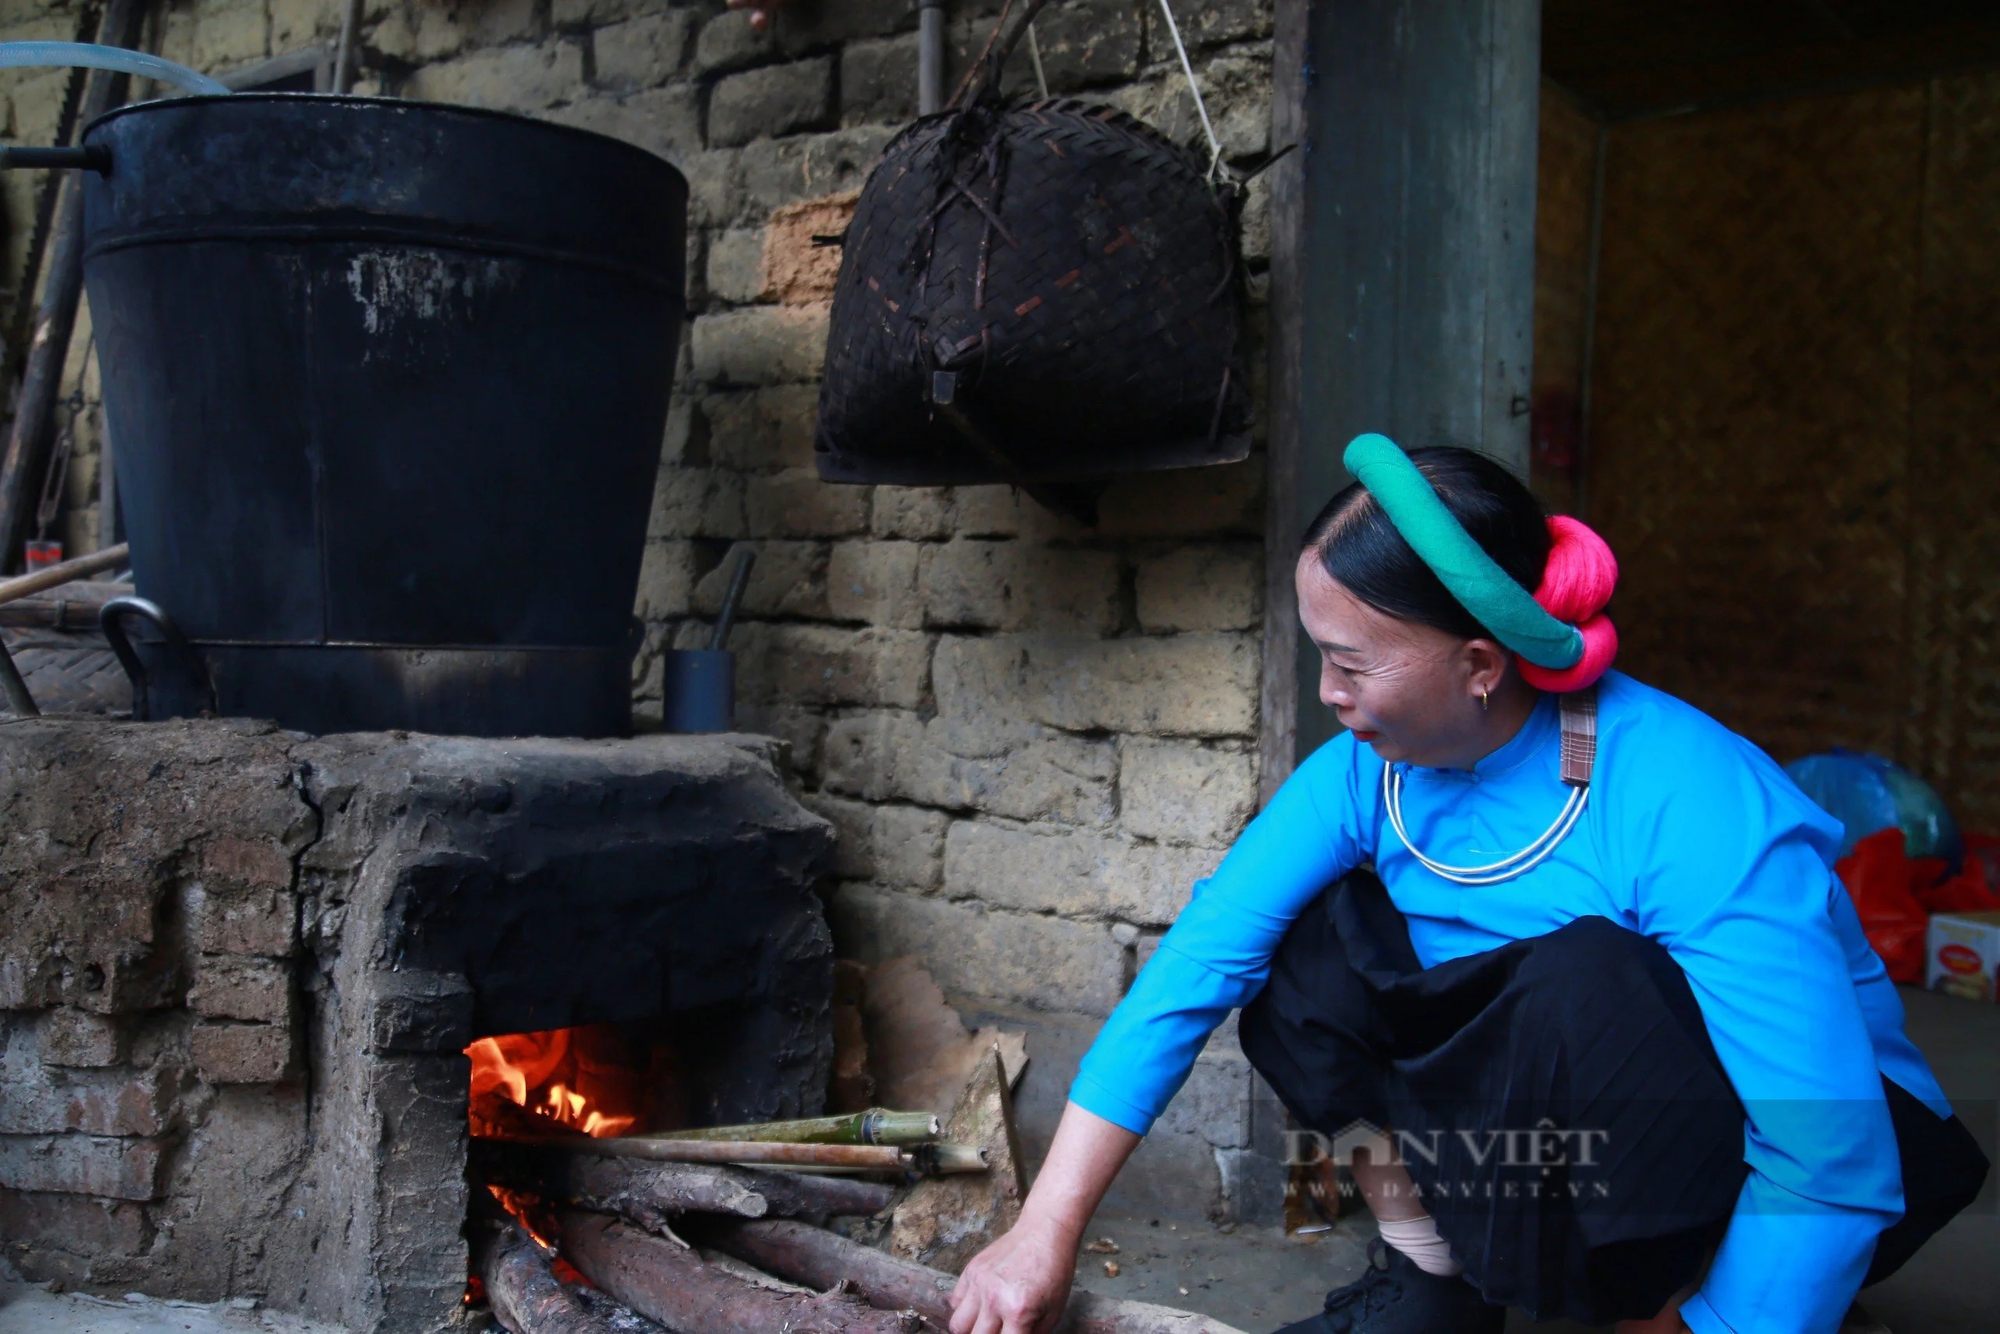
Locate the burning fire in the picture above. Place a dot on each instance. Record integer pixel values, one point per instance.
(599, 1079)
(561, 1075)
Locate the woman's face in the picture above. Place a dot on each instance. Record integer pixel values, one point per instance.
(1410, 691)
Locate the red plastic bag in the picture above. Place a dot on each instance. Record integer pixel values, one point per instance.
(1971, 890)
(1882, 882)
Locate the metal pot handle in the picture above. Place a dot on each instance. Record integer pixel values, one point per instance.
(112, 621)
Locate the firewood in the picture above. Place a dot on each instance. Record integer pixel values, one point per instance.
(528, 1299)
(820, 1258)
(792, 1193)
(673, 1286)
(648, 1192)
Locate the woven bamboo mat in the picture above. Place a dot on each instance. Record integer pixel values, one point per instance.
(1749, 434)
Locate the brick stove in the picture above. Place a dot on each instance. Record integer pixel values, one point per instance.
(239, 968)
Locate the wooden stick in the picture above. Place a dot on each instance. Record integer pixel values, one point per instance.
(870, 1157)
(659, 1279)
(72, 607)
(819, 1258)
(875, 1126)
(22, 585)
(524, 1293)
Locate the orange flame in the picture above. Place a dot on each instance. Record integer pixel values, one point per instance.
(541, 1073)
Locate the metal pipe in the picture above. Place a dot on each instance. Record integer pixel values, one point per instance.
(90, 157)
(350, 38)
(26, 460)
(930, 57)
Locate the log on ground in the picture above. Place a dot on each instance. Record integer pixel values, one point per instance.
(527, 1297)
(671, 1284)
(819, 1258)
(822, 1259)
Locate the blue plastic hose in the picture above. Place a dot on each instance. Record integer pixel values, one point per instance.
(15, 55)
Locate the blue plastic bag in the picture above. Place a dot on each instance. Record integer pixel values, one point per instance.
(1867, 793)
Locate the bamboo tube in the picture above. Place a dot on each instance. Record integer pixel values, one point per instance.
(948, 1159)
(877, 1125)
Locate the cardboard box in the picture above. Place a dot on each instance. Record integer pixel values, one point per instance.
(1962, 954)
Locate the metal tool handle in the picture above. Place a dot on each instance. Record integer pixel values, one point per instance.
(112, 621)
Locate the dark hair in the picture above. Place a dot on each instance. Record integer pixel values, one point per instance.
(1362, 550)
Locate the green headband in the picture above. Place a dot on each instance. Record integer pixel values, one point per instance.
(1466, 571)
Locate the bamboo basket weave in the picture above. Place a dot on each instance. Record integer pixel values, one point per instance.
(1035, 292)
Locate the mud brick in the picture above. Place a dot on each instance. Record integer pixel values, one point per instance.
(78, 1038)
(228, 1053)
(116, 1169)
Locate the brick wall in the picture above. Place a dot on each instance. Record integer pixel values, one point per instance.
(1032, 735)
(149, 1036)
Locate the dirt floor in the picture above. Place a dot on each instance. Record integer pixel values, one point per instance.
(1258, 1279)
(31, 1309)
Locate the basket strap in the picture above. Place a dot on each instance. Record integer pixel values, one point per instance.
(983, 79)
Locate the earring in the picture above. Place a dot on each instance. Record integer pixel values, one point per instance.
(1482, 699)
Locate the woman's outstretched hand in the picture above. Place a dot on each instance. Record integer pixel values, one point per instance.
(1020, 1284)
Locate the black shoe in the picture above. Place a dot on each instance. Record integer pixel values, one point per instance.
(1396, 1297)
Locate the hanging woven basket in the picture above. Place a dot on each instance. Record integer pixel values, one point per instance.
(1043, 292)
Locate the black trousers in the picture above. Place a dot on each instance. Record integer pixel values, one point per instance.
(1557, 1102)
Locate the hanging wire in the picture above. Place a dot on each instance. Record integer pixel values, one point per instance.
(1187, 68)
(1035, 59)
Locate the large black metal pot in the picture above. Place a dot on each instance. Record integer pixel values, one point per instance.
(386, 383)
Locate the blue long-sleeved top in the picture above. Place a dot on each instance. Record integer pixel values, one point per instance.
(1692, 837)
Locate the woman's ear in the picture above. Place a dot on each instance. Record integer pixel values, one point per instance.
(1486, 666)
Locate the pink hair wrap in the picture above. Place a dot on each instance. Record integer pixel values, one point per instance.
(1577, 583)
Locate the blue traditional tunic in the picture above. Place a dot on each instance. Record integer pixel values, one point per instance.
(1693, 838)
